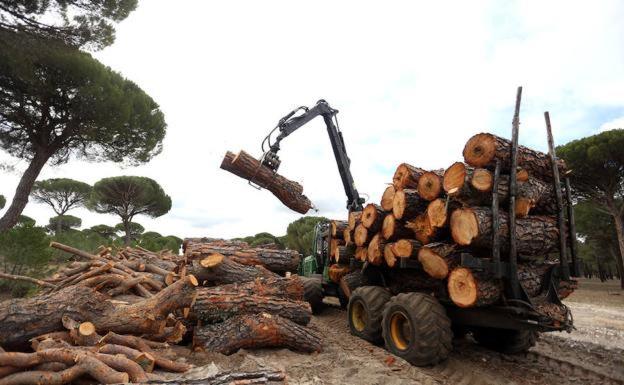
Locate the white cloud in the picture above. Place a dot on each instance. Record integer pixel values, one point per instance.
(413, 82)
(612, 124)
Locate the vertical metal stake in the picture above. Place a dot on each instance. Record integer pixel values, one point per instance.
(496, 223)
(513, 251)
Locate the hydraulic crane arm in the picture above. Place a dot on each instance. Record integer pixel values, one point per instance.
(290, 123)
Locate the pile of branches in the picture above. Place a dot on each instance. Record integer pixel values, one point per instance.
(428, 218)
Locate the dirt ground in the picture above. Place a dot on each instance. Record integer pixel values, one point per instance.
(592, 354)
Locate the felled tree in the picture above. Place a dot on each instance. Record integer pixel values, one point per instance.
(63, 223)
(57, 103)
(62, 194)
(127, 197)
(597, 164)
(77, 22)
(133, 230)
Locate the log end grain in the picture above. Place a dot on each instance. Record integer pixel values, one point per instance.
(480, 150)
(354, 218)
(429, 185)
(464, 226)
(387, 198)
(433, 263)
(454, 176)
(421, 226)
(462, 287)
(387, 227)
(375, 250)
(482, 180)
(436, 212)
(371, 215)
(360, 236)
(212, 260)
(389, 255)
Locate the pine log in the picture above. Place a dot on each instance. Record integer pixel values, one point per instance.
(344, 253)
(333, 246)
(354, 218)
(375, 250)
(421, 226)
(430, 185)
(347, 235)
(44, 313)
(389, 255)
(437, 212)
(352, 281)
(278, 261)
(482, 150)
(438, 259)
(535, 235)
(361, 253)
(372, 217)
(336, 272)
(387, 198)
(468, 288)
(226, 271)
(407, 204)
(256, 331)
(290, 193)
(338, 228)
(362, 235)
(393, 229)
(286, 288)
(216, 306)
(27, 279)
(406, 176)
(406, 248)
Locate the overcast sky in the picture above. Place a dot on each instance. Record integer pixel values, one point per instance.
(412, 80)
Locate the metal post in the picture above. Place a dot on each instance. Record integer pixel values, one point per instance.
(563, 258)
(513, 252)
(496, 223)
(572, 229)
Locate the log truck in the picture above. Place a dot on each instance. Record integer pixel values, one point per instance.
(415, 325)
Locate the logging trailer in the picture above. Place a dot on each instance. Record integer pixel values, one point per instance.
(419, 325)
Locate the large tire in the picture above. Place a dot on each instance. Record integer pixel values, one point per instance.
(365, 311)
(417, 329)
(505, 340)
(313, 293)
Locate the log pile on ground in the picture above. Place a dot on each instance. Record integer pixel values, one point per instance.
(428, 218)
(112, 317)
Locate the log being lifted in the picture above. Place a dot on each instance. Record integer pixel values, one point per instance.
(387, 198)
(393, 229)
(44, 313)
(219, 269)
(468, 288)
(256, 331)
(247, 167)
(372, 217)
(407, 204)
(535, 235)
(483, 149)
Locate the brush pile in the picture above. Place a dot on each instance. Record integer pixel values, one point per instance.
(429, 219)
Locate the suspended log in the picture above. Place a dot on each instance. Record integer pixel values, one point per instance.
(362, 235)
(407, 204)
(351, 281)
(375, 250)
(354, 219)
(372, 217)
(392, 229)
(437, 259)
(344, 253)
(468, 288)
(256, 331)
(290, 193)
(387, 198)
(338, 228)
(218, 269)
(406, 248)
(421, 226)
(336, 272)
(406, 176)
(535, 235)
(483, 149)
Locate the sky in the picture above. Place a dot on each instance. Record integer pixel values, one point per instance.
(412, 80)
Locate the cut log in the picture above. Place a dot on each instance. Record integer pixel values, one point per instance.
(405, 280)
(352, 281)
(279, 261)
(338, 228)
(361, 253)
(423, 231)
(226, 270)
(375, 250)
(407, 204)
(362, 236)
(389, 255)
(406, 248)
(430, 185)
(347, 235)
(256, 331)
(468, 288)
(387, 198)
(393, 229)
(217, 306)
(535, 235)
(406, 176)
(483, 149)
(344, 253)
(437, 212)
(285, 288)
(27, 279)
(333, 246)
(336, 272)
(354, 218)
(438, 259)
(247, 167)
(372, 217)
(44, 313)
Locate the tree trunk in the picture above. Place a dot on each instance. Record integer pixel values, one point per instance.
(256, 331)
(387, 198)
(372, 217)
(227, 271)
(468, 288)
(482, 150)
(44, 313)
(20, 199)
(126, 225)
(333, 246)
(619, 229)
(393, 229)
(407, 204)
(216, 306)
(361, 253)
(247, 167)
(535, 235)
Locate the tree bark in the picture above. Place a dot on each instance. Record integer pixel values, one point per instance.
(228, 271)
(407, 204)
(285, 288)
(482, 150)
(256, 331)
(247, 167)
(619, 229)
(468, 288)
(344, 253)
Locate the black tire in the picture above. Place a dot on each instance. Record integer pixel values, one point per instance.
(342, 298)
(365, 311)
(505, 340)
(313, 293)
(417, 329)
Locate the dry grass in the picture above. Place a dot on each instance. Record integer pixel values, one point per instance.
(592, 291)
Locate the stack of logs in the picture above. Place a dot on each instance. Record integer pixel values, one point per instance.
(428, 218)
(111, 318)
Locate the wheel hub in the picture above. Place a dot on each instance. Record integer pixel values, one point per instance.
(358, 316)
(400, 330)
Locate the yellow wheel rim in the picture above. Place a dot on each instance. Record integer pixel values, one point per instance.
(400, 330)
(358, 316)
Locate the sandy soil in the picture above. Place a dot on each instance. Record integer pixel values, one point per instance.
(592, 354)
